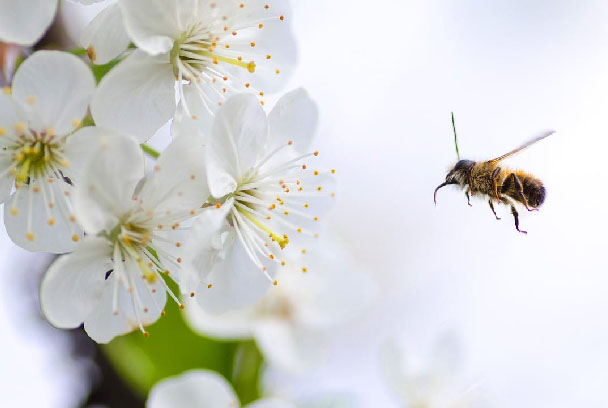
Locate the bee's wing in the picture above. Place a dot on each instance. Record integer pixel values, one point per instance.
(523, 146)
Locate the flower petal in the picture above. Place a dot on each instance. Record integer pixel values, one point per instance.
(178, 182)
(153, 25)
(10, 114)
(105, 37)
(232, 325)
(103, 325)
(24, 21)
(32, 224)
(294, 117)
(239, 135)
(105, 190)
(208, 242)
(87, 2)
(236, 282)
(56, 88)
(290, 347)
(79, 147)
(74, 283)
(196, 388)
(136, 97)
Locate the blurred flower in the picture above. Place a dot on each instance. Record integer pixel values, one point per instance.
(9, 53)
(24, 22)
(113, 281)
(263, 189)
(290, 323)
(437, 383)
(219, 47)
(202, 388)
(41, 156)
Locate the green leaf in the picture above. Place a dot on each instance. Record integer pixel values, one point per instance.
(99, 71)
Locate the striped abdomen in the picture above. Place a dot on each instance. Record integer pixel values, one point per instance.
(533, 189)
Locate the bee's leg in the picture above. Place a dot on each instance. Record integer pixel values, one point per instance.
(468, 198)
(495, 184)
(492, 208)
(520, 191)
(516, 217)
(470, 180)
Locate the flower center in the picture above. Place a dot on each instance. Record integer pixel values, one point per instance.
(36, 155)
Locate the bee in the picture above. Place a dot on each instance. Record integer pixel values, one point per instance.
(500, 184)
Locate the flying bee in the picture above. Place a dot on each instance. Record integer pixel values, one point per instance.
(499, 184)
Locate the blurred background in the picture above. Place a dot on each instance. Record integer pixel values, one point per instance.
(529, 310)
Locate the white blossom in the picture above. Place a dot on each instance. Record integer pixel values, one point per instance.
(291, 321)
(114, 281)
(268, 191)
(41, 156)
(219, 47)
(434, 382)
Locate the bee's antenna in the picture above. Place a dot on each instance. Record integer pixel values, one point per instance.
(455, 137)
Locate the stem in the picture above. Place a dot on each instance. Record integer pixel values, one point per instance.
(150, 151)
(247, 370)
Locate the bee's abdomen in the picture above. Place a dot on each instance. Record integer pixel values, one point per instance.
(534, 191)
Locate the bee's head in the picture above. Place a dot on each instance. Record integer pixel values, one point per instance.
(458, 175)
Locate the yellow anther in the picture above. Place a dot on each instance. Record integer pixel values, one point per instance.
(75, 238)
(31, 99)
(319, 188)
(51, 221)
(306, 205)
(209, 286)
(316, 172)
(300, 230)
(29, 236)
(2, 131)
(14, 211)
(6, 90)
(282, 241)
(275, 283)
(304, 270)
(333, 171)
(20, 127)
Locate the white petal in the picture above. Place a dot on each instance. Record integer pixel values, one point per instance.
(236, 281)
(136, 97)
(239, 135)
(178, 182)
(153, 25)
(290, 347)
(56, 87)
(271, 403)
(337, 290)
(56, 236)
(10, 114)
(6, 179)
(103, 325)
(105, 189)
(79, 147)
(294, 117)
(232, 325)
(105, 37)
(73, 284)
(24, 21)
(197, 119)
(196, 388)
(209, 242)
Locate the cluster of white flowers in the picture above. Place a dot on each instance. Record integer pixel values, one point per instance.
(228, 213)
(235, 197)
